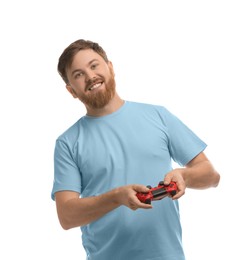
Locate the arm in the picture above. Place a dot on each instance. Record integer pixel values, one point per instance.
(74, 211)
(199, 173)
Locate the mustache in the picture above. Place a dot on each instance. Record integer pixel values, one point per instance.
(93, 81)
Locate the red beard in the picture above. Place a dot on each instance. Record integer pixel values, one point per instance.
(101, 98)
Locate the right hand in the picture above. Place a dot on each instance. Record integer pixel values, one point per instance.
(126, 195)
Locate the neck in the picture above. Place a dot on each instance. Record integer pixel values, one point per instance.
(115, 103)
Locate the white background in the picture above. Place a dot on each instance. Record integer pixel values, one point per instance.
(180, 54)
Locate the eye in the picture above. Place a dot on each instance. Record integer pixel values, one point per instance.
(94, 66)
(79, 74)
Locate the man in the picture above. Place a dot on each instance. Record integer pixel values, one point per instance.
(113, 152)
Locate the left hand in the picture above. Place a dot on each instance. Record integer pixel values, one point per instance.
(176, 176)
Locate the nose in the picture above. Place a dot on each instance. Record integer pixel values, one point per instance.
(90, 76)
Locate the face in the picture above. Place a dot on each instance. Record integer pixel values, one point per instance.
(91, 79)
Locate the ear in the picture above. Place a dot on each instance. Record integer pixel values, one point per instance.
(71, 90)
(110, 65)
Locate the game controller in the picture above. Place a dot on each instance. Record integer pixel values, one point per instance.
(158, 193)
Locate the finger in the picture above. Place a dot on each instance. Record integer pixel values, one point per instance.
(178, 195)
(181, 190)
(145, 206)
(140, 188)
(133, 207)
(141, 205)
(167, 179)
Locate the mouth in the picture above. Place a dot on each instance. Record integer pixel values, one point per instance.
(95, 86)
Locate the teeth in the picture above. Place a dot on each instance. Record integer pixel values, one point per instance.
(95, 86)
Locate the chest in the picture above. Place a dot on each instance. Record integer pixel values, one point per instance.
(112, 155)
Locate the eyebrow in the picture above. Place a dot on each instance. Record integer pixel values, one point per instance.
(79, 70)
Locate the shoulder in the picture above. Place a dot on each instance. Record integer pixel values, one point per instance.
(71, 133)
(142, 105)
(148, 107)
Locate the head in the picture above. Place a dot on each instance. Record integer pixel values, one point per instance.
(68, 54)
(88, 73)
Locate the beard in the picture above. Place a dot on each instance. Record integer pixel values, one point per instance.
(101, 98)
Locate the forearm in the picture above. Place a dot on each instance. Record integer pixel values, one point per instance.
(81, 211)
(74, 211)
(201, 175)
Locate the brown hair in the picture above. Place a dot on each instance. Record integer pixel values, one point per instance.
(68, 54)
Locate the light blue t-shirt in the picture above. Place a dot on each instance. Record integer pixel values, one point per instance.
(134, 145)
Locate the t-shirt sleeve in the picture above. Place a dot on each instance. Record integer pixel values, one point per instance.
(66, 172)
(184, 144)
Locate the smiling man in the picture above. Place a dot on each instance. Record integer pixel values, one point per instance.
(90, 78)
(110, 154)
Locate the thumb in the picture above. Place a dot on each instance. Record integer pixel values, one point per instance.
(140, 188)
(167, 179)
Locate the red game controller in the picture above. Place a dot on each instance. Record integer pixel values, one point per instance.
(158, 192)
